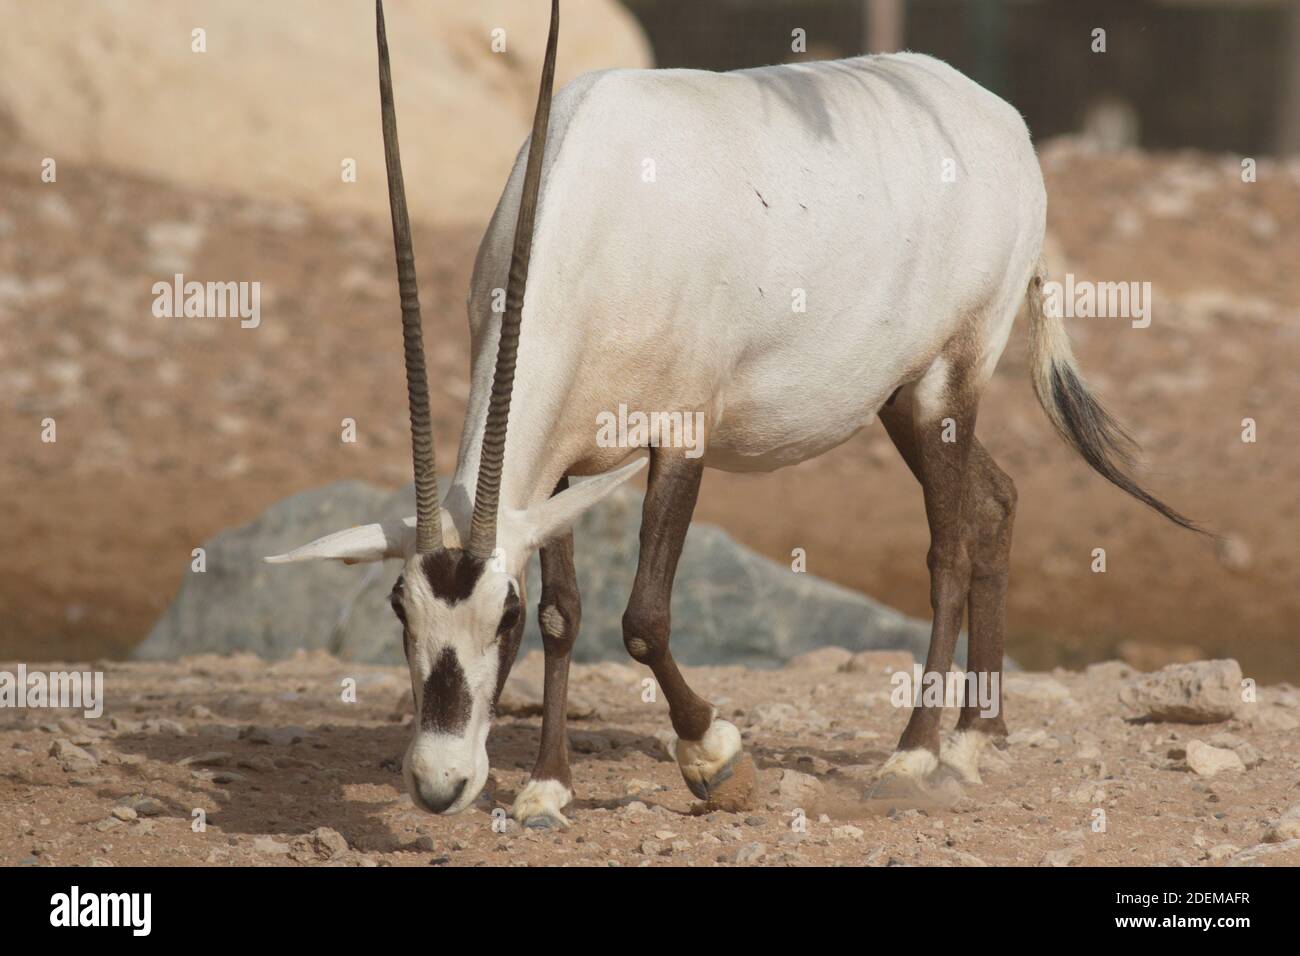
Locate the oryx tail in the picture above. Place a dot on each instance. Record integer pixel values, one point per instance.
(1079, 418)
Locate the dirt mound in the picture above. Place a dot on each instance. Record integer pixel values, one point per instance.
(286, 91)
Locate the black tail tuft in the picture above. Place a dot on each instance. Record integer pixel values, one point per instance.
(1102, 441)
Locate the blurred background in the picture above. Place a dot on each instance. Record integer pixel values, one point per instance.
(224, 163)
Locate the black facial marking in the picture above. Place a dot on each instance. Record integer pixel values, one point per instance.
(452, 573)
(446, 705)
(395, 600)
(510, 613)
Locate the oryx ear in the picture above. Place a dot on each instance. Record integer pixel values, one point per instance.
(557, 514)
(367, 542)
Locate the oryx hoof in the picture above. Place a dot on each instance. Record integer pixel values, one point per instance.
(904, 775)
(709, 762)
(960, 755)
(546, 821)
(539, 805)
(704, 788)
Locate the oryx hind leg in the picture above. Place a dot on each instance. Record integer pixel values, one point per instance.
(932, 422)
(991, 512)
(708, 748)
(541, 802)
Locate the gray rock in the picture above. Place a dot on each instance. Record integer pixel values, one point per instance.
(730, 605)
(239, 603)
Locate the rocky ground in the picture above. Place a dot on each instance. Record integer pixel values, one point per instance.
(1103, 767)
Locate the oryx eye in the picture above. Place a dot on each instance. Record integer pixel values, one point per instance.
(395, 600)
(510, 614)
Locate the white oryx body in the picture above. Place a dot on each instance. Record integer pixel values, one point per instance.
(786, 252)
(825, 180)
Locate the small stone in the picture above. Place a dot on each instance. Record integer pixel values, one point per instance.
(323, 844)
(270, 846)
(1222, 851)
(1064, 856)
(750, 853)
(72, 758)
(1287, 826)
(147, 806)
(125, 813)
(1207, 761)
(798, 789)
(651, 848)
(847, 831)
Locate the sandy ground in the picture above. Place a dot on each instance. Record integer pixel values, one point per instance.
(286, 773)
(170, 430)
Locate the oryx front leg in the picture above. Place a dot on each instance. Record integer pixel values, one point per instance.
(541, 802)
(708, 748)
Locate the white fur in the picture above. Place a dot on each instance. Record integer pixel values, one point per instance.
(701, 760)
(438, 759)
(961, 752)
(914, 765)
(542, 798)
(676, 295)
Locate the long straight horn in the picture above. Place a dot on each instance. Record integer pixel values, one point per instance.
(483, 526)
(428, 520)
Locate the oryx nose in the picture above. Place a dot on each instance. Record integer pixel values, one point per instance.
(438, 799)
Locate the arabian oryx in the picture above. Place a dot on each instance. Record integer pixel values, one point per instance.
(673, 293)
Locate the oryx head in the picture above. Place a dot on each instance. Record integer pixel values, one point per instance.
(460, 596)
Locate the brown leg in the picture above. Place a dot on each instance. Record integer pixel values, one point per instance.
(993, 511)
(559, 615)
(943, 468)
(707, 748)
